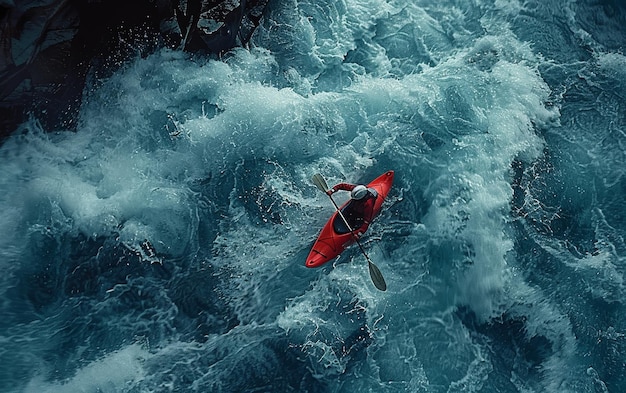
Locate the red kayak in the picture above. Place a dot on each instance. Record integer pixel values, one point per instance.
(330, 243)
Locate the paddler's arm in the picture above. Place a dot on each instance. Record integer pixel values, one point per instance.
(341, 186)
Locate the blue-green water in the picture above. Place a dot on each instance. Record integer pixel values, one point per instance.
(161, 246)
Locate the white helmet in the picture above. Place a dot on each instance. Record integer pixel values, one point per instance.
(359, 192)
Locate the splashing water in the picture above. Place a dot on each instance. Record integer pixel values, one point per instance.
(161, 246)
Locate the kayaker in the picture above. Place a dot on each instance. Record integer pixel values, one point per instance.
(360, 210)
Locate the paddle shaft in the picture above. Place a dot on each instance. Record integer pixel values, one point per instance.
(354, 236)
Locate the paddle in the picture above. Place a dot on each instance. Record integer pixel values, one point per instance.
(375, 274)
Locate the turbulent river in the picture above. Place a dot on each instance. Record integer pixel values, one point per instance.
(161, 246)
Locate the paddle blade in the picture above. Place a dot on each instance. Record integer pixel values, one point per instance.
(377, 277)
(320, 182)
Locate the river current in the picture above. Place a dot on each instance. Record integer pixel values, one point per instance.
(161, 246)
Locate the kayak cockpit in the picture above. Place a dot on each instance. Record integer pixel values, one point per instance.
(355, 221)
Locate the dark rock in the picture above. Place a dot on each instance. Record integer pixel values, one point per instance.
(48, 47)
(217, 25)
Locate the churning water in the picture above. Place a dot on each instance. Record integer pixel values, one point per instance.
(161, 247)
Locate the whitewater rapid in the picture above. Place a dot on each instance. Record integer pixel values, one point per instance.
(161, 246)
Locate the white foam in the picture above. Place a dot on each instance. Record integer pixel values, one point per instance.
(110, 374)
(167, 120)
(613, 65)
